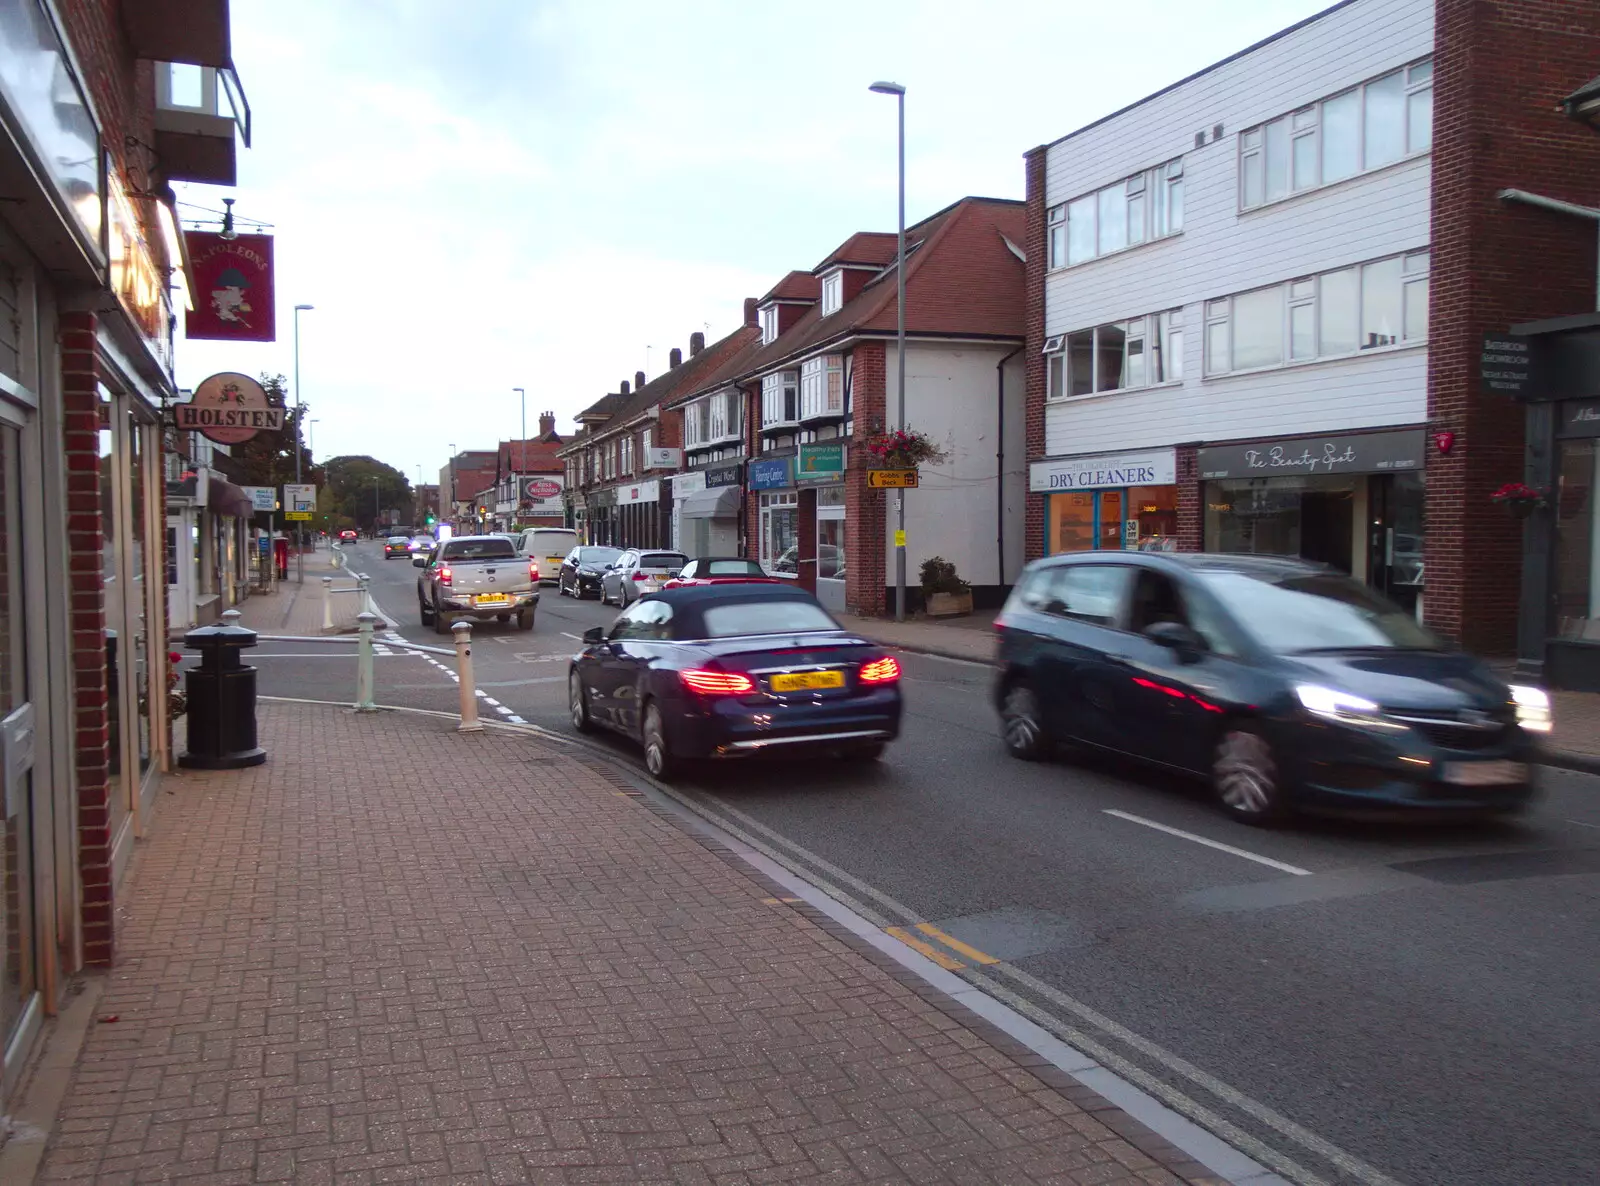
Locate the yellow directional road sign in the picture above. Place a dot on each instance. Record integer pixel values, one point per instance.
(892, 479)
(293, 515)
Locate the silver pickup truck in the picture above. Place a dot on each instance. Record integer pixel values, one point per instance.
(480, 577)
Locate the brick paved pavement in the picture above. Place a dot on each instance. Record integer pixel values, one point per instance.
(397, 952)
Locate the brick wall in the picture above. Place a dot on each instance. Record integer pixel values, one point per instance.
(866, 511)
(1033, 359)
(1500, 68)
(1191, 512)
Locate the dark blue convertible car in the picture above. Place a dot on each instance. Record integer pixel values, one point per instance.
(726, 671)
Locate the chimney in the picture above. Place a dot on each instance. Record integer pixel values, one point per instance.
(625, 389)
(638, 380)
(547, 423)
(674, 358)
(697, 343)
(750, 317)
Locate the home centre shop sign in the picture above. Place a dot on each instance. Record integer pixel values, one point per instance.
(228, 408)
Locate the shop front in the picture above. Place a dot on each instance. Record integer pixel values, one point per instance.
(771, 484)
(819, 471)
(707, 504)
(600, 518)
(1352, 501)
(1109, 501)
(639, 515)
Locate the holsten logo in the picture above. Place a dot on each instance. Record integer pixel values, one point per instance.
(1132, 475)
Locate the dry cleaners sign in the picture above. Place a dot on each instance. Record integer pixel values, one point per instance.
(1158, 467)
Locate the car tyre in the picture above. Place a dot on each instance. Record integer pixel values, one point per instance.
(525, 619)
(1246, 777)
(578, 704)
(425, 612)
(872, 751)
(441, 623)
(658, 759)
(1022, 724)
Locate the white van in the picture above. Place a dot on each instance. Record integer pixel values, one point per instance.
(548, 547)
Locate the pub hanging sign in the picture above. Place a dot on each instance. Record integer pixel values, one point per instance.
(228, 408)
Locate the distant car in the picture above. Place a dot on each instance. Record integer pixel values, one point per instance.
(639, 571)
(731, 671)
(721, 570)
(421, 543)
(1288, 684)
(581, 571)
(396, 545)
(477, 577)
(347, 536)
(549, 546)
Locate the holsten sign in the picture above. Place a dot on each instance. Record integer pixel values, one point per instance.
(229, 408)
(1157, 467)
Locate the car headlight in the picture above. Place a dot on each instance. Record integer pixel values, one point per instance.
(1332, 705)
(1533, 708)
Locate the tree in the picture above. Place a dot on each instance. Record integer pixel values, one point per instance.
(267, 459)
(351, 482)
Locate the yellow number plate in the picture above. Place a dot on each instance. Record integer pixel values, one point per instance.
(804, 681)
(492, 599)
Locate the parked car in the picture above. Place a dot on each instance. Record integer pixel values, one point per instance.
(730, 671)
(396, 545)
(1287, 684)
(581, 570)
(478, 577)
(637, 573)
(549, 546)
(721, 570)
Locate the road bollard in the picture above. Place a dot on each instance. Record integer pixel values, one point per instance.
(364, 702)
(469, 692)
(327, 605)
(222, 699)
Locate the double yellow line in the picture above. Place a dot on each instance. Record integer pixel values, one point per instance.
(949, 962)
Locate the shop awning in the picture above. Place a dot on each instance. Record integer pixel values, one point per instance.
(721, 503)
(225, 498)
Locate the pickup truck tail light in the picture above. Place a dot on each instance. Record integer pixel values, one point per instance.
(880, 671)
(716, 683)
(444, 574)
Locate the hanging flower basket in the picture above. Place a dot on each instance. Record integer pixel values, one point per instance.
(1518, 498)
(904, 448)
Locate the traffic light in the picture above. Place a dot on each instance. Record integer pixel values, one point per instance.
(430, 518)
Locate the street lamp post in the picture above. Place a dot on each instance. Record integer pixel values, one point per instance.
(311, 441)
(375, 507)
(899, 92)
(299, 525)
(522, 464)
(452, 489)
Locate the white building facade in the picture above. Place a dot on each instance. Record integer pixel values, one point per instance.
(1235, 306)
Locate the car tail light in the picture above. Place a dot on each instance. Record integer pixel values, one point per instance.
(716, 683)
(533, 570)
(641, 576)
(880, 671)
(444, 574)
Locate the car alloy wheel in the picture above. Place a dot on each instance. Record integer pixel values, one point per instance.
(657, 758)
(1022, 724)
(1245, 775)
(577, 705)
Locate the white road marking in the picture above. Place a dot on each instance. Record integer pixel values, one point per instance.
(515, 719)
(1581, 824)
(1216, 844)
(573, 637)
(489, 699)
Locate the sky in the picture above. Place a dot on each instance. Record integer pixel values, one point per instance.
(479, 195)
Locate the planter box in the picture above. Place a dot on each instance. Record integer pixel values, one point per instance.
(949, 605)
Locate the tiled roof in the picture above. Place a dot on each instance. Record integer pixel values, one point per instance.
(863, 247)
(737, 363)
(796, 286)
(961, 280)
(529, 456)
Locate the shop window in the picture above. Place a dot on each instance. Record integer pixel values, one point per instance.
(1143, 518)
(1578, 542)
(780, 533)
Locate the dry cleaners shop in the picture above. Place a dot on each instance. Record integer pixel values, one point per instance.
(1109, 501)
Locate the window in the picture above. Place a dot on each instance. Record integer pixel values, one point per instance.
(645, 620)
(780, 532)
(646, 440)
(822, 387)
(1116, 357)
(626, 446)
(1382, 303)
(769, 323)
(1148, 205)
(832, 292)
(780, 399)
(731, 619)
(1364, 128)
(1089, 592)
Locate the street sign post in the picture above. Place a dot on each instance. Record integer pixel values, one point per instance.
(297, 497)
(892, 479)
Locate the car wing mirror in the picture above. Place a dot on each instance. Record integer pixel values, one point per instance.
(595, 634)
(419, 562)
(1180, 638)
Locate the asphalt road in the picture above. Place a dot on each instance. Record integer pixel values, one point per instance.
(1347, 1003)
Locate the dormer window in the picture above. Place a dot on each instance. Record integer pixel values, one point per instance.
(832, 292)
(769, 324)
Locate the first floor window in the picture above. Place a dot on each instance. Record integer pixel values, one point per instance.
(780, 533)
(1117, 356)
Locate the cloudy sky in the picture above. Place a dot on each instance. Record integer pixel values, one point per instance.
(478, 195)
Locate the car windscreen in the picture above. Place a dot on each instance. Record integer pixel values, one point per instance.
(398, 539)
(770, 615)
(479, 549)
(598, 555)
(661, 560)
(1302, 612)
(731, 568)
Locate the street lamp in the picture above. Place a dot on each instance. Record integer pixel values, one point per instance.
(299, 526)
(524, 437)
(374, 506)
(452, 487)
(899, 92)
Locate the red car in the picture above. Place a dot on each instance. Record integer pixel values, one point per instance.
(719, 570)
(347, 536)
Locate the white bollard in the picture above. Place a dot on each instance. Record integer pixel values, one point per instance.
(327, 605)
(364, 701)
(469, 693)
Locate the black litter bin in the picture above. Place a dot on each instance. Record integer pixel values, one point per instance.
(222, 700)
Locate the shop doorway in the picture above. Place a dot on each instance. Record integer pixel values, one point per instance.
(1327, 527)
(1394, 543)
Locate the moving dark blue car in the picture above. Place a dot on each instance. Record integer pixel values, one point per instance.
(735, 670)
(1287, 684)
